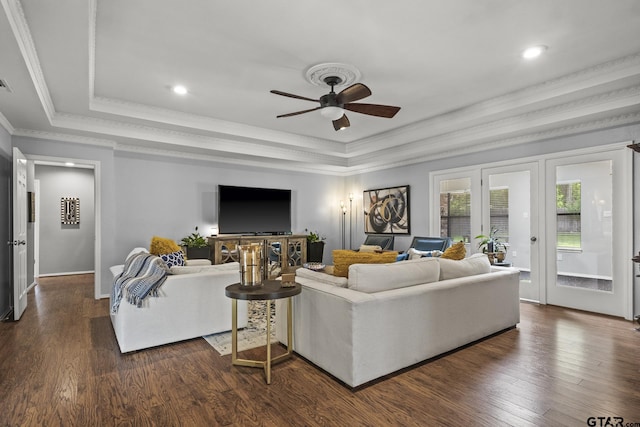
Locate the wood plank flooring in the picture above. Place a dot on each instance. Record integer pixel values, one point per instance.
(60, 365)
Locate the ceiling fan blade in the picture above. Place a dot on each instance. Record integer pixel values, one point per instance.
(386, 111)
(298, 112)
(290, 95)
(341, 123)
(354, 92)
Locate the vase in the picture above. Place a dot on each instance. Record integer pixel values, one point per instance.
(315, 251)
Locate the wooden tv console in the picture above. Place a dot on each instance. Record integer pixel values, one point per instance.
(224, 248)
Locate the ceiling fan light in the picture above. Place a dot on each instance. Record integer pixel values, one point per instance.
(332, 113)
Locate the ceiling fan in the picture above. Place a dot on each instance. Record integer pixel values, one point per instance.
(332, 105)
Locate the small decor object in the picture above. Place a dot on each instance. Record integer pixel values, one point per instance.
(387, 211)
(250, 264)
(493, 246)
(315, 246)
(196, 246)
(70, 210)
(288, 280)
(315, 266)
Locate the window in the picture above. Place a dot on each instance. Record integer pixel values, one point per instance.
(568, 219)
(455, 215)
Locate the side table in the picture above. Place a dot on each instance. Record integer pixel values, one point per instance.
(269, 291)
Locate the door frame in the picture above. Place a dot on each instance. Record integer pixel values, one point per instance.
(436, 176)
(86, 164)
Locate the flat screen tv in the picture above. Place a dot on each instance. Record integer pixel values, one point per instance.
(250, 210)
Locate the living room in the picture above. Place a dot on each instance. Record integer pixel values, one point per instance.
(162, 187)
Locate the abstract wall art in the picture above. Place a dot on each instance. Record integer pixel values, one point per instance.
(70, 210)
(386, 210)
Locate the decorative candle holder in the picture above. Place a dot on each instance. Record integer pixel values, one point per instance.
(250, 264)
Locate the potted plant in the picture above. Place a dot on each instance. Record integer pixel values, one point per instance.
(315, 246)
(196, 246)
(492, 245)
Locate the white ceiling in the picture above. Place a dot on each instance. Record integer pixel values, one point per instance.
(100, 72)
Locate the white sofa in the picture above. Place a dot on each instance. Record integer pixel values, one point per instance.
(430, 306)
(190, 303)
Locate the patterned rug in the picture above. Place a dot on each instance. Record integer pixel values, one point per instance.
(254, 335)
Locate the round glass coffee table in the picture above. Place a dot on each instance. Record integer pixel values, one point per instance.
(269, 291)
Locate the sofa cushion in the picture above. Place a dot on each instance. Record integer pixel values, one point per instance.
(475, 264)
(190, 269)
(455, 251)
(319, 276)
(383, 277)
(162, 245)
(343, 258)
(173, 259)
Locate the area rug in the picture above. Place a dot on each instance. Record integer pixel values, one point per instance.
(254, 335)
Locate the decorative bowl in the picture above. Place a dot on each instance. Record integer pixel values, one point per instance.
(315, 266)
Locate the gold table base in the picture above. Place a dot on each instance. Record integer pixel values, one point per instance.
(265, 364)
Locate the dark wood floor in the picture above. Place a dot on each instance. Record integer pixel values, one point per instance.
(60, 365)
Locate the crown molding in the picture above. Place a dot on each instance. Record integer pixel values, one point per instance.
(65, 137)
(172, 137)
(209, 124)
(4, 122)
(18, 22)
(414, 155)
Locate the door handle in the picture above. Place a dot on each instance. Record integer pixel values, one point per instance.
(22, 242)
(534, 238)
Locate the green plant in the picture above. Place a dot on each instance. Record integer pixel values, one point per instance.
(491, 242)
(194, 240)
(313, 236)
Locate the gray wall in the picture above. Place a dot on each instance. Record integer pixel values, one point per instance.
(169, 197)
(6, 167)
(65, 248)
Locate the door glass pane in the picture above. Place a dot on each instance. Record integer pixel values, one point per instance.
(455, 209)
(510, 216)
(584, 225)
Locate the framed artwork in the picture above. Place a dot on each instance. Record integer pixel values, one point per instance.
(70, 210)
(31, 200)
(386, 210)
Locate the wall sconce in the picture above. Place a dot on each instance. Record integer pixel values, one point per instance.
(350, 220)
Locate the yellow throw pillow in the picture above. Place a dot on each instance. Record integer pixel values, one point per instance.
(455, 251)
(162, 246)
(343, 258)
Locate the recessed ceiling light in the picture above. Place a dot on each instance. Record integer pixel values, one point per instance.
(533, 52)
(69, 164)
(180, 90)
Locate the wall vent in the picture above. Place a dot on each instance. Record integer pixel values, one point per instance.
(4, 85)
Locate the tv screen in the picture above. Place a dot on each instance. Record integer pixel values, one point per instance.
(249, 210)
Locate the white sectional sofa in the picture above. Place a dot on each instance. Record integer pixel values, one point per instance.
(387, 317)
(190, 303)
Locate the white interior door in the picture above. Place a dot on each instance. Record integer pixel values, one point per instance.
(19, 233)
(510, 205)
(588, 223)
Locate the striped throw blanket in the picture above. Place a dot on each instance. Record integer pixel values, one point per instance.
(142, 275)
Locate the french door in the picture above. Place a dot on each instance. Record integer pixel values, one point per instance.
(589, 229)
(566, 219)
(510, 207)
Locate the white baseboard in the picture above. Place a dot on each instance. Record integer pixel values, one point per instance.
(70, 273)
